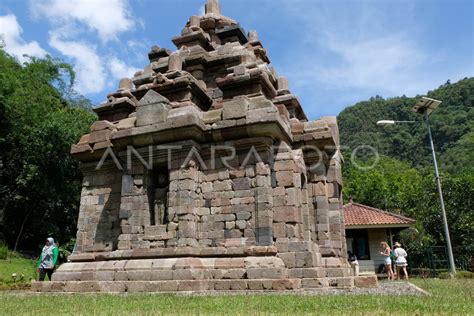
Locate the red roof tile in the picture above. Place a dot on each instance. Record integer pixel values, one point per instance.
(361, 215)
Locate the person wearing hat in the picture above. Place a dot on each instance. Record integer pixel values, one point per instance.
(48, 259)
(400, 260)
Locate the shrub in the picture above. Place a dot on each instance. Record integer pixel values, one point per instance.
(459, 275)
(465, 275)
(65, 250)
(3, 251)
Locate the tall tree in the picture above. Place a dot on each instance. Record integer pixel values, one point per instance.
(39, 180)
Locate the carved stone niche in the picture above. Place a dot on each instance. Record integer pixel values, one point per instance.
(153, 108)
(252, 83)
(156, 53)
(180, 91)
(232, 33)
(116, 110)
(197, 38)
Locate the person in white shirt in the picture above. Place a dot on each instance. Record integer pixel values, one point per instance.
(400, 260)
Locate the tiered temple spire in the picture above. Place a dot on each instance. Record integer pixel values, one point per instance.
(213, 6)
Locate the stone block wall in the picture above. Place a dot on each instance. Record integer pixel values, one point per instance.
(98, 225)
(261, 203)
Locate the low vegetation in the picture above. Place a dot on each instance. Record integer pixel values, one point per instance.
(16, 272)
(448, 297)
(3, 251)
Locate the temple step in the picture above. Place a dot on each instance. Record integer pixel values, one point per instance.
(204, 285)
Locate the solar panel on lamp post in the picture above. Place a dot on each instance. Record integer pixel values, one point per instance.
(425, 106)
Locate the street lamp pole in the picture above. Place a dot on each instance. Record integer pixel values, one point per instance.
(426, 106)
(441, 199)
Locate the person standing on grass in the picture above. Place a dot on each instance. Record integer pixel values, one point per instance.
(400, 260)
(386, 251)
(47, 260)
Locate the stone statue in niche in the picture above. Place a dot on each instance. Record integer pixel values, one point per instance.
(158, 197)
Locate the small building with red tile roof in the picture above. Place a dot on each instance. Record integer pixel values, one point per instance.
(366, 228)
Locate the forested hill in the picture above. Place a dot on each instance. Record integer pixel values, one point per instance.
(452, 125)
(402, 180)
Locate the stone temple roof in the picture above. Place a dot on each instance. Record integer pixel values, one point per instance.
(217, 84)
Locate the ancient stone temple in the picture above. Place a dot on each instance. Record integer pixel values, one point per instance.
(203, 173)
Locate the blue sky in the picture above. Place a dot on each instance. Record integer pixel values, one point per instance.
(334, 53)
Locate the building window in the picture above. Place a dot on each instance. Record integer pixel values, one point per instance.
(358, 243)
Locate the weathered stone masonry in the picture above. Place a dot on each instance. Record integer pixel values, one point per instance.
(169, 211)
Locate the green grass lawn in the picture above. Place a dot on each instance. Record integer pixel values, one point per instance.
(448, 297)
(453, 297)
(25, 269)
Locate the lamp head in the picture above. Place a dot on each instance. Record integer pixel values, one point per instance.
(385, 122)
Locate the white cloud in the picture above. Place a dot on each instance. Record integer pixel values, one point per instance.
(136, 44)
(106, 17)
(119, 69)
(385, 63)
(137, 50)
(90, 74)
(73, 23)
(11, 31)
(360, 47)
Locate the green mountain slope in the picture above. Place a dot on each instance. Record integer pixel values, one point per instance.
(452, 124)
(401, 180)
